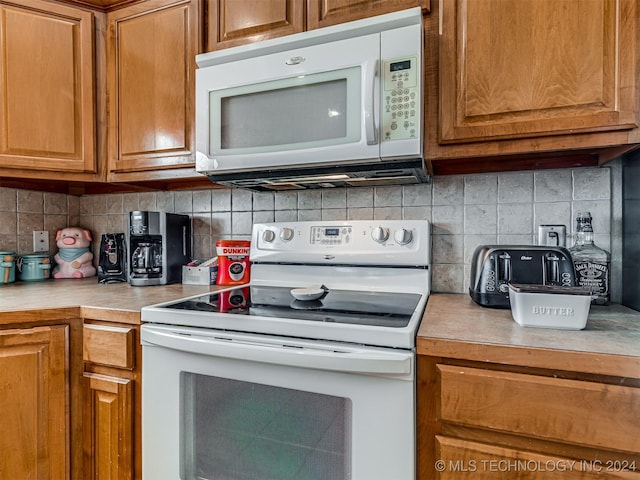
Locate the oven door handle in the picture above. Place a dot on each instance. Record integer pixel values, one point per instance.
(349, 359)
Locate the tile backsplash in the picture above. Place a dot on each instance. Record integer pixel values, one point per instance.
(465, 211)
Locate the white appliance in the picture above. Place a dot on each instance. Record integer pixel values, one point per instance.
(340, 105)
(253, 383)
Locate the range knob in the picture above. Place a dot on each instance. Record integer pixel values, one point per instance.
(286, 234)
(268, 236)
(403, 236)
(380, 234)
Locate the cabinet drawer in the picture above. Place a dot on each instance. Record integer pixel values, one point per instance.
(578, 412)
(461, 459)
(109, 345)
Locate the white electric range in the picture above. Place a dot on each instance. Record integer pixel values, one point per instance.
(307, 372)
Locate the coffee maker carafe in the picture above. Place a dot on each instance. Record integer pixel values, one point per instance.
(159, 245)
(147, 258)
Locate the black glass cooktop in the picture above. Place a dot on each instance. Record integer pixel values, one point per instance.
(384, 309)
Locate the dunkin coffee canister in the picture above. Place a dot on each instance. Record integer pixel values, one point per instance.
(233, 262)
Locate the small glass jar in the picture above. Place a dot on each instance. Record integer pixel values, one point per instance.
(34, 267)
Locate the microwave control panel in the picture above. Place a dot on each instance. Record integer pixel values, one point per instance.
(400, 94)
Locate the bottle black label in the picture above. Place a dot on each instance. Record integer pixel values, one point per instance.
(594, 276)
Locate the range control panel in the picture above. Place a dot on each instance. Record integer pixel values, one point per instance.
(362, 241)
(331, 235)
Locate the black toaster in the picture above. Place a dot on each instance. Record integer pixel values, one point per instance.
(495, 266)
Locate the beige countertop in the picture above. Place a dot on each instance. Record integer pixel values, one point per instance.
(454, 326)
(118, 302)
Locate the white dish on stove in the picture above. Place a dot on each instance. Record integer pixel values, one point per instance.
(308, 294)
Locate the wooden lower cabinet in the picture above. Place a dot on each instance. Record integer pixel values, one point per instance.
(35, 403)
(112, 388)
(487, 421)
(463, 459)
(108, 426)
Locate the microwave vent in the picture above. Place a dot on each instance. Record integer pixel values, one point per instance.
(399, 172)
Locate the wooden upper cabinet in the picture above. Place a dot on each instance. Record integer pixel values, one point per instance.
(236, 22)
(47, 89)
(151, 83)
(323, 13)
(526, 68)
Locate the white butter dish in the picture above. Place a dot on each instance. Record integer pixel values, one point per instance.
(550, 306)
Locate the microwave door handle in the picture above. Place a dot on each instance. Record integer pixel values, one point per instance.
(370, 102)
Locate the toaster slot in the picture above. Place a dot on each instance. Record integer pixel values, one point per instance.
(551, 268)
(504, 270)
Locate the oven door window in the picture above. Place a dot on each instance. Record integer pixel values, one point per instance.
(236, 430)
(287, 114)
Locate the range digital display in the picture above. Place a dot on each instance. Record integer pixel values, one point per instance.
(332, 232)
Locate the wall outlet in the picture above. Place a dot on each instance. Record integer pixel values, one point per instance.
(40, 241)
(552, 235)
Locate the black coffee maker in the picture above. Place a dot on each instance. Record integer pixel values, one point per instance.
(159, 245)
(112, 259)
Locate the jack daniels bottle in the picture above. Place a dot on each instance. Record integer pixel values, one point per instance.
(592, 263)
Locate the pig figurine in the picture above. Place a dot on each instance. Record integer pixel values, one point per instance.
(74, 258)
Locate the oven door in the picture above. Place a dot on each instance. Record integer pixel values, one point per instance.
(221, 405)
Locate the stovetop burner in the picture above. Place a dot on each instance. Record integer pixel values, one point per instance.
(383, 309)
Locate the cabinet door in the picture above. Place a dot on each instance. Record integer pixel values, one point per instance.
(525, 68)
(112, 395)
(34, 403)
(109, 345)
(469, 460)
(151, 83)
(323, 13)
(47, 117)
(550, 408)
(108, 427)
(236, 22)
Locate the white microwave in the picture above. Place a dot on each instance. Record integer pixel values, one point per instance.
(337, 106)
